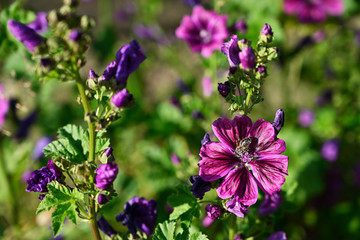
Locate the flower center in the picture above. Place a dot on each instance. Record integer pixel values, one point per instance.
(205, 36)
(245, 149)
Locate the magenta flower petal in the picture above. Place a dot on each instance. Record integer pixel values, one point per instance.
(230, 131)
(292, 6)
(269, 172)
(333, 7)
(265, 133)
(217, 161)
(236, 207)
(312, 13)
(276, 147)
(239, 182)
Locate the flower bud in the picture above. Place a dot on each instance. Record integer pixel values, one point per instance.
(270, 203)
(92, 74)
(105, 227)
(278, 121)
(105, 175)
(206, 139)
(267, 34)
(102, 199)
(122, 98)
(247, 58)
(213, 211)
(40, 24)
(224, 88)
(199, 187)
(231, 50)
(75, 35)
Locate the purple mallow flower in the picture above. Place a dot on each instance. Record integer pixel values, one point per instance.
(247, 58)
(247, 156)
(127, 60)
(122, 98)
(206, 139)
(4, 106)
(213, 211)
(224, 88)
(330, 149)
(102, 199)
(105, 175)
(277, 236)
(270, 203)
(231, 50)
(199, 186)
(39, 147)
(40, 24)
(139, 214)
(105, 227)
(313, 11)
(24, 34)
(41, 177)
(306, 117)
(204, 31)
(278, 121)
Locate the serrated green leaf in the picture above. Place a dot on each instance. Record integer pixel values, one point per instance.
(198, 236)
(179, 210)
(61, 212)
(165, 230)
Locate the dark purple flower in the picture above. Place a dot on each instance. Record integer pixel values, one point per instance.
(4, 106)
(330, 149)
(24, 34)
(224, 88)
(41, 177)
(247, 58)
(92, 74)
(206, 86)
(122, 98)
(278, 121)
(192, 3)
(261, 70)
(306, 117)
(139, 214)
(105, 175)
(325, 97)
(24, 126)
(102, 199)
(313, 11)
(46, 62)
(270, 203)
(213, 211)
(196, 114)
(239, 26)
(108, 152)
(267, 30)
(277, 236)
(175, 102)
(184, 88)
(39, 147)
(235, 206)
(247, 156)
(175, 159)
(105, 227)
(204, 31)
(231, 50)
(40, 24)
(199, 186)
(75, 35)
(206, 139)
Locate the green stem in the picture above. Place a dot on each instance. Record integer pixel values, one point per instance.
(232, 230)
(248, 97)
(93, 221)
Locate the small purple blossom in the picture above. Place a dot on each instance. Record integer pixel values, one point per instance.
(277, 236)
(175, 159)
(105, 227)
(267, 30)
(92, 74)
(199, 186)
(102, 199)
(270, 203)
(39, 147)
(75, 35)
(261, 69)
(330, 149)
(224, 88)
(278, 121)
(213, 211)
(24, 34)
(207, 221)
(247, 156)
(231, 50)
(139, 214)
(105, 175)
(206, 86)
(206, 139)
(313, 11)
(239, 26)
(40, 24)
(247, 58)
(196, 114)
(108, 152)
(235, 206)
(41, 177)
(4, 106)
(306, 117)
(204, 31)
(122, 98)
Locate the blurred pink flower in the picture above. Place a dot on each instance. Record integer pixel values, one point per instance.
(206, 86)
(4, 106)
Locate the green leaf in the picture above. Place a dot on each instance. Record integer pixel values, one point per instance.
(198, 236)
(61, 212)
(165, 230)
(101, 143)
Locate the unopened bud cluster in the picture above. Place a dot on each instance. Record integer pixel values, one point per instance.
(247, 70)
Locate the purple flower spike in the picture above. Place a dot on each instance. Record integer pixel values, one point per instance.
(306, 117)
(206, 139)
(24, 34)
(122, 98)
(231, 50)
(129, 58)
(243, 147)
(267, 30)
(40, 25)
(40, 178)
(204, 31)
(213, 211)
(277, 236)
(330, 150)
(278, 121)
(247, 58)
(199, 187)
(139, 214)
(4, 106)
(224, 88)
(105, 227)
(105, 175)
(236, 207)
(39, 147)
(270, 203)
